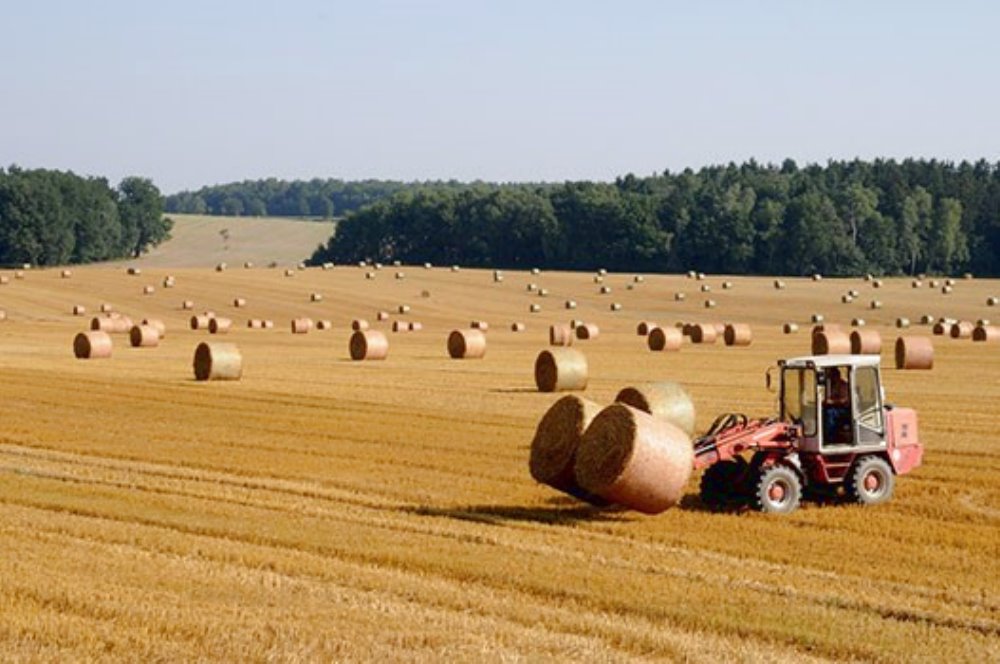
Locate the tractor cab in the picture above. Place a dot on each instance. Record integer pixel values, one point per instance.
(836, 400)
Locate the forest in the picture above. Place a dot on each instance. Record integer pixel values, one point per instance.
(50, 217)
(847, 217)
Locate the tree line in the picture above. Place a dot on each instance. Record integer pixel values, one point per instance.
(847, 217)
(52, 217)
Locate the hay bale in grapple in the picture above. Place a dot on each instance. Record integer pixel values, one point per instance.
(217, 361)
(466, 344)
(561, 370)
(368, 345)
(557, 437)
(914, 353)
(664, 400)
(92, 345)
(633, 459)
(660, 339)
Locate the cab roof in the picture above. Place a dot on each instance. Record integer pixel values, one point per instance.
(823, 361)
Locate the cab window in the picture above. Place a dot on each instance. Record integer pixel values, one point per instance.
(798, 398)
(867, 397)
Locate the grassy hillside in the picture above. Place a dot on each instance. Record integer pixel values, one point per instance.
(323, 509)
(198, 241)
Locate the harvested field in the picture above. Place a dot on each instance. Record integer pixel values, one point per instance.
(324, 509)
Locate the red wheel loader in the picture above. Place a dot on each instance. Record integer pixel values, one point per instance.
(834, 434)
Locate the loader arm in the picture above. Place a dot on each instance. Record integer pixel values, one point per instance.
(731, 435)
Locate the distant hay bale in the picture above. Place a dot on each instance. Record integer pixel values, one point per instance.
(560, 334)
(554, 446)
(962, 330)
(830, 342)
(368, 345)
(679, 297)
(846, 299)
(79, 310)
(133, 271)
(535, 270)
(157, 325)
(877, 283)
(817, 318)
(738, 334)
(247, 265)
(315, 297)
(602, 272)
(382, 315)
(779, 284)
(301, 325)
(727, 285)
(940, 328)
(703, 333)
(239, 302)
(466, 344)
(933, 283)
(664, 400)
(615, 306)
(416, 326)
(638, 279)
(869, 277)
(986, 333)
(664, 339)
(425, 293)
(949, 282)
(255, 324)
(403, 309)
(4, 280)
(875, 304)
(268, 324)
(92, 345)
(705, 288)
(324, 325)
(200, 322)
(790, 328)
(574, 323)
(914, 353)
(854, 293)
(902, 323)
(221, 267)
(19, 274)
(710, 304)
(631, 458)
(400, 326)
(561, 370)
(570, 304)
(700, 276)
(168, 281)
(587, 331)
(992, 301)
(866, 342)
(532, 287)
(397, 263)
(543, 292)
(479, 325)
(605, 290)
(946, 290)
(926, 319)
(107, 308)
(369, 275)
(400, 276)
(643, 328)
(983, 322)
(691, 274)
(144, 336)
(517, 327)
(359, 325)
(455, 268)
(534, 308)
(111, 325)
(858, 322)
(817, 277)
(967, 275)
(187, 304)
(598, 279)
(66, 274)
(217, 361)
(289, 272)
(916, 283)
(219, 325)
(148, 290)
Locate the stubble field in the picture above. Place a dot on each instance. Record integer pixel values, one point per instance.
(327, 509)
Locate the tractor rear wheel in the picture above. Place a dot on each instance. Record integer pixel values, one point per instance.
(871, 481)
(778, 490)
(723, 482)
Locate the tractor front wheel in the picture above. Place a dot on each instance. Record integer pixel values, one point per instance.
(871, 482)
(778, 490)
(723, 482)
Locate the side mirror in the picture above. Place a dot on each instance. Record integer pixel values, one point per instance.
(769, 380)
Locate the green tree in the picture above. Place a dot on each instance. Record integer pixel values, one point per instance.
(140, 208)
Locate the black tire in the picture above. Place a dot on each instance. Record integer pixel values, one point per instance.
(871, 481)
(778, 490)
(724, 482)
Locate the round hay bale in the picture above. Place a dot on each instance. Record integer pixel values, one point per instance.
(255, 324)
(710, 304)
(946, 290)
(914, 353)
(817, 318)
(247, 265)
(703, 333)
(536, 271)
(643, 328)
(209, 313)
(19, 274)
(217, 361)
(598, 279)
(369, 275)
(790, 328)
(679, 297)
(427, 266)
(517, 327)
(869, 277)
(926, 319)
(940, 328)
(983, 322)
(106, 308)
(66, 274)
(853, 293)
(705, 288)
(875, 304)
(902, 323)
(817, 277)
(466, 344)
(866, 342)
(111, 325)
(916, 283)
(187, 304)
(700, 276)
(779, 284)
(992, 301)
(534, 308)
(144, 336)
(962, 330)
(605, 290)
(720, 329)
(382, 315)
(603, 272)
(359, 325)
(403, 308)
(400, 276)
(877, 283)
(631, 458)
(933, 283)
(615, 306)
(665, 400)
(289, 272)
(858, 322)
(157, 325)
(557, 437)
(846, 299)
(368, 345)
(543, 292)
(221, 267)
(560, 334)
(239, 302)
(324, 325)
(829, 342)
(986, 333)
(967, 275)
(301, 325)
(168, 282)
(4, 280)
(92, 345)
(268, 324)
(455, 268)
(479, 325)
(148, 290)
(727, 285)
(416, 326)
(133, 271)
(561, 370)
(570, 304)
(531, 288)
(587, 331)
(738, 334)
(200, 322)
(315, 297)
(400, 326)
(638, 279)
(691, 274)
(949, 282)
(79, 310)
(219, 325)
(662, 339)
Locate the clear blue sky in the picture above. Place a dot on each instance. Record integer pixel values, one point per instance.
(193, 93)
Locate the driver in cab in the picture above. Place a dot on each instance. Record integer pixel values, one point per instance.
(837, 407)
